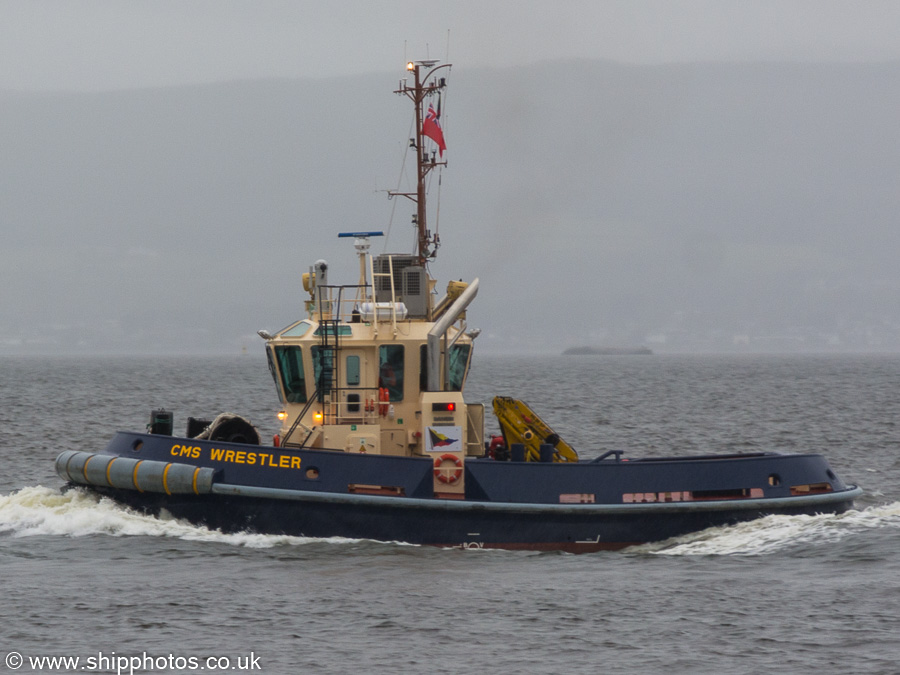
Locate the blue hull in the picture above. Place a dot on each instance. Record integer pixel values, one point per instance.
(575, 529)
(513, 505)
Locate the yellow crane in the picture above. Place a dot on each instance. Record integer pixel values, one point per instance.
(520, 424)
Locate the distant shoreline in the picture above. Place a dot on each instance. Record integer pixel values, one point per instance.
(606, 351)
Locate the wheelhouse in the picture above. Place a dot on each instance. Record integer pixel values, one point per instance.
(363, 362)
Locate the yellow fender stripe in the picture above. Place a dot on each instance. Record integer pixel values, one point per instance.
(194, 480)
(165, 478)
(84, 469)
(134, 476)
(108, 467)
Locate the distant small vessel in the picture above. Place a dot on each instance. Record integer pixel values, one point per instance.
(378, 442)
(606, 351)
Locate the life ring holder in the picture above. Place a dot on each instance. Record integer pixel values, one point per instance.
(442, 475)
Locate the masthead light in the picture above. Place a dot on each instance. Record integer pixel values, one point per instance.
(410, 66)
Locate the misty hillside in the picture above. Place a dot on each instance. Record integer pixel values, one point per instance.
(694, 206)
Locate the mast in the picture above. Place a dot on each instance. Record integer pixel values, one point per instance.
(425, 85)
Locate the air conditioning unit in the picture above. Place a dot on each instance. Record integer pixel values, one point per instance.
(410, 282)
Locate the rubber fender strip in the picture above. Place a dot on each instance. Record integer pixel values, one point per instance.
(134, 478)
(108, 467)
(69, 461)
(84, 468)
(77, 477)
(194, 480)
(450, 505)
(165, 476)
(60, 468)
(63, 460)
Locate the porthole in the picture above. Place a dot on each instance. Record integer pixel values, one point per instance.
(312, 473)
(137, 445)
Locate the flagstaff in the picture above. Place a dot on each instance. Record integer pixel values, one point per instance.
(425, 84)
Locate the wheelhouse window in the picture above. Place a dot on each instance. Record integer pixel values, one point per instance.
(273, 371)
(423, 368)
(390, 370)
(290, 365)
(340, 330)
(323, 368)
(297, 330)
(459, 364)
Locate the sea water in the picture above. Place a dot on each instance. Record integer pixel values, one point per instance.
(83, 577)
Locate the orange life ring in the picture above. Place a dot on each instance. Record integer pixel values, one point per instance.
(442, 474)
(384, 397)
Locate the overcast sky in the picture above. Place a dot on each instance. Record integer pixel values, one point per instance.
(709, 202)
(97, 44)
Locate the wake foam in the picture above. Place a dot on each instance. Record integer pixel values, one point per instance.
(34, 511)
(777, 533)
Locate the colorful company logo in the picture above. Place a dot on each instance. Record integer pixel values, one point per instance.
(439, 440)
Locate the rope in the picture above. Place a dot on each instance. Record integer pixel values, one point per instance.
(399, 181)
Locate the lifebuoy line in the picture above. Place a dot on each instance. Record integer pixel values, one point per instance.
(384, 397)
(444, 476)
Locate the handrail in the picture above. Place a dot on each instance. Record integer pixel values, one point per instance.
(617, 453)
(339, 412)
(297, 421)
(343, 306)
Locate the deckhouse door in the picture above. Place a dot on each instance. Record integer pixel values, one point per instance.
(354, 384)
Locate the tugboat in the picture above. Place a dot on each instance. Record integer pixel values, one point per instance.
(378, 442)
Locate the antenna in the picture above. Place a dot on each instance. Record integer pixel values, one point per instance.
(426, 83)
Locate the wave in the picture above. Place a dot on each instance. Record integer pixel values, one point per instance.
(777, 533)
(38, 510)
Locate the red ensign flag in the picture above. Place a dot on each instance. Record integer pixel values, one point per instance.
(431, 127)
